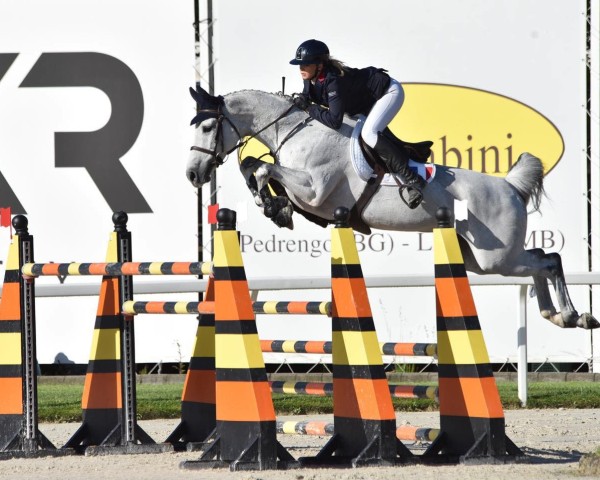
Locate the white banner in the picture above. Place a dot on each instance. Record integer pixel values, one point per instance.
(94, 118)
(485, 81)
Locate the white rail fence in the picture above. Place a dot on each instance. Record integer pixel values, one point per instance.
(316, 283)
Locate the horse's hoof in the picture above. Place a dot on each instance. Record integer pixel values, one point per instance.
(587, 321)
(558, 320)
(283, 221)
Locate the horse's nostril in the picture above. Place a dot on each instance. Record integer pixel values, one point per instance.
(191, 176)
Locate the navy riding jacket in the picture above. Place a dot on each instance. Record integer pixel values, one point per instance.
(353, 91)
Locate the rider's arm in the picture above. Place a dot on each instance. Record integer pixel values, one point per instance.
(333, 116)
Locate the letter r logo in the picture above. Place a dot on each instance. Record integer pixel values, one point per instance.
(98, 152)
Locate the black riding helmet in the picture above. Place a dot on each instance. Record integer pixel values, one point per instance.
(311, 52)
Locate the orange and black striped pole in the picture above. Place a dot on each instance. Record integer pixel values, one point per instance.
(245, 436)
(325, 389)
(471, 415)
(316, 427)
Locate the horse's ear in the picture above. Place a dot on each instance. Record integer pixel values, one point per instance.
(204, 99)
(197, 95)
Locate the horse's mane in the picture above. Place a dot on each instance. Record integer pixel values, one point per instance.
(273, 94)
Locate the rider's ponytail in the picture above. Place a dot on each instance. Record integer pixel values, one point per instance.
(336, 65)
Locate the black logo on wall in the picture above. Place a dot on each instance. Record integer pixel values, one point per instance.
(99, 152)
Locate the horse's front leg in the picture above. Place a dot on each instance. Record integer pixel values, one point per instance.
(300, 183)
(278, 209)
(248, 168)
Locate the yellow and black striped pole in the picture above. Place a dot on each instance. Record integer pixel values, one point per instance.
(364, 418)
(198, 413)
(245, 436)
(471, 414)
(19, 433)
(208, 307)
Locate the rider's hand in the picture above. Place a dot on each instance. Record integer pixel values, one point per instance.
(301, 101)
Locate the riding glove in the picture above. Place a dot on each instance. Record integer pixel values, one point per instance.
(301, 101)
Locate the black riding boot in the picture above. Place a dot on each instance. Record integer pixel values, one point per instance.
(396, 160)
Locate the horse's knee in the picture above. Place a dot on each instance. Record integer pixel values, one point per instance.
(262, 174)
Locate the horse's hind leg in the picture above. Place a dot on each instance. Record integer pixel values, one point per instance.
(542, 267)
(541, 283)
(549, 266)
(543, 294)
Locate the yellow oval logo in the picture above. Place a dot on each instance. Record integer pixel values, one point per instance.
(475, 129)
(472, 129)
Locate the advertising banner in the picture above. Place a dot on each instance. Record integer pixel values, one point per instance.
(94, 118)
(485, 81)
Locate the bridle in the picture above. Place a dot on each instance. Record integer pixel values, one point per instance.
(220, 116)
(218, 156)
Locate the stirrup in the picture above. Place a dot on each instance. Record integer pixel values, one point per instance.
(414, 202)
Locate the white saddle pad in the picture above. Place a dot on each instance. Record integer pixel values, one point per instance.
(364, 170)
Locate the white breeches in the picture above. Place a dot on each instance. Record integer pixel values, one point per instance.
(382, 113)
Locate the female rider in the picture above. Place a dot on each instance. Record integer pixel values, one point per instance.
(369, 91)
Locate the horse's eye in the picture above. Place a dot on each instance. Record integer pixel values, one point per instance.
(206, 128)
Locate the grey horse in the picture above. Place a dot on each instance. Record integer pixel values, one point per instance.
(313, 166)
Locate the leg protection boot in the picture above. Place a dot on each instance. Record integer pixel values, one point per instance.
(396, 159)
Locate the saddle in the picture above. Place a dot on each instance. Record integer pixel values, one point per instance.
(418, 152)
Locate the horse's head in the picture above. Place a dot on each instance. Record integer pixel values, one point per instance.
(210, 145)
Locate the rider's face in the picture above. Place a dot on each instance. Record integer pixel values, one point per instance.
(308, 72)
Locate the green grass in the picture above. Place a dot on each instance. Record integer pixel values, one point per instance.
(62, 403)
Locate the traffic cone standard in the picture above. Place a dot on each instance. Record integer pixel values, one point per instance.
(109, 399)
(11, 377)
(198, 397)
(472, 425)
(19, 433)
(364, 418)
(245, 434)
(102, 391)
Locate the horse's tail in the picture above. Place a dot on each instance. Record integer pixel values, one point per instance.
(527, 177)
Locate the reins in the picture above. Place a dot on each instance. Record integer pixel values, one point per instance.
(220, 116)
